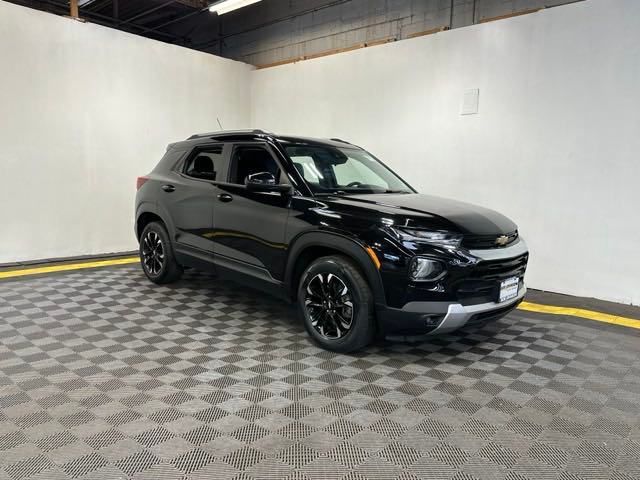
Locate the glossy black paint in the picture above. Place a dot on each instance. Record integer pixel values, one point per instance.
(267, 237)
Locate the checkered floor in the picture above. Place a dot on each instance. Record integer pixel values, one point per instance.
(106, 376)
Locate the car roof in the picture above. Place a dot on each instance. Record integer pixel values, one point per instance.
(240, 135)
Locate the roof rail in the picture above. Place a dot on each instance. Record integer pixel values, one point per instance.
(224, 133)
(341, 141)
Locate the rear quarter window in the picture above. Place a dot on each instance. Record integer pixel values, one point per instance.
(204, 163)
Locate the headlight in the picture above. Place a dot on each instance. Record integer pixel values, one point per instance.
(445, 239)
(425, 269)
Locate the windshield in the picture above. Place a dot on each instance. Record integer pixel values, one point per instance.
(328, 169)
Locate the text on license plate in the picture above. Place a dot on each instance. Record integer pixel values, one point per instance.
(509, 289)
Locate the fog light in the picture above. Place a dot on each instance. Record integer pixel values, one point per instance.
(432, 320)
(425, 269)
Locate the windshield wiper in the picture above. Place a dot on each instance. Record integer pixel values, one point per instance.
(364, 191)
(335, 192)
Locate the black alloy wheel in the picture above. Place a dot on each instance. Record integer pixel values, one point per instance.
(336, 304)
(329, 305)
(156, 255)
(152, 253)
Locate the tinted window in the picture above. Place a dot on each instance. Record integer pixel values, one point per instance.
(357, 172)
(307, 168)
(330, 169)
(205, 163)
(247, 160)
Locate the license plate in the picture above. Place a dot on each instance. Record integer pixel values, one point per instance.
(509, 289)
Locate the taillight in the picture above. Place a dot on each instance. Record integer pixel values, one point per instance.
(141, 181)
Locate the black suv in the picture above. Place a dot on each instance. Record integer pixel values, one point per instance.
(325, 223)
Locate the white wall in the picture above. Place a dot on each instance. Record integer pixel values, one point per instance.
(84, 110)
(555, 145)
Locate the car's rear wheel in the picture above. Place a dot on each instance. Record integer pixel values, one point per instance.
(336, 304)
(156, 255)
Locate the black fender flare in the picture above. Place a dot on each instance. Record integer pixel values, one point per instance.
(348, 246)
(155, 209)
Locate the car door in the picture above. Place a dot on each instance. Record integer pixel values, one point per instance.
(249, 227)
(190, 198)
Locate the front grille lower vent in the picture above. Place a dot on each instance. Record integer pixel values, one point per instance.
(482, 284)
(500, 269)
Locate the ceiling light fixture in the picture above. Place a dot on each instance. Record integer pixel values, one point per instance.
(226, 6)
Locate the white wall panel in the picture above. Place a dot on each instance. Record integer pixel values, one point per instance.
(554, 146)
(84, 110)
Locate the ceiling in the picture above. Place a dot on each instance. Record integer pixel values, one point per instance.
(169, 21)
(272, 31)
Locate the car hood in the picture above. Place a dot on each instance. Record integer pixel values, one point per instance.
(428, 211)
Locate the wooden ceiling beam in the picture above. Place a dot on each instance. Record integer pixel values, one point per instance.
(73, 8)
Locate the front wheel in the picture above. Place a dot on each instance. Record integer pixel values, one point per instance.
(156, 255)
(336, 304)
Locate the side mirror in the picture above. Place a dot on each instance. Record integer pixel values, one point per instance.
(265, 182)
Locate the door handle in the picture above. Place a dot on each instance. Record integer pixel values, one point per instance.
(168, 188)
(225, 197)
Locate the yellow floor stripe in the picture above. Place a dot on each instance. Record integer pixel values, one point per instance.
(64, 267)
(528, 306)
(579, 312)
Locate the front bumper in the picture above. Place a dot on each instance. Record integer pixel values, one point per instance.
(422, 319)
(468, 298)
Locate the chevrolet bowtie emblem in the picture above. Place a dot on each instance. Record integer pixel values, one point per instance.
(502, 240)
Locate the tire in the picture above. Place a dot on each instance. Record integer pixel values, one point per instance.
(324, 305)
(156, 255)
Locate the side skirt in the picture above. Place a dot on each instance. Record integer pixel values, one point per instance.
(234, 270)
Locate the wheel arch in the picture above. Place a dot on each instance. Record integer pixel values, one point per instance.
(146, 214)
(313, 245)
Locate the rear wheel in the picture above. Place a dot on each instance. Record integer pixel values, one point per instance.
(336, 304)
(156, 255)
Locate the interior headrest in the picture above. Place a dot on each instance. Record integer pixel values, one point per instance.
(203, 164)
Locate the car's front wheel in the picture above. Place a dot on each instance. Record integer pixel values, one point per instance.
(336, 304)
(156, 255)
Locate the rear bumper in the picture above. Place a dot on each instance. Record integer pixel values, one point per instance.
(418, 319)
